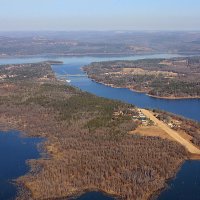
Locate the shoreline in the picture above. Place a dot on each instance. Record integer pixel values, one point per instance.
(156, 194)
(79, 55)
(44, 151)
(101, 54)
(143, 92)
(152, 196)
(172, 98)
(79, 194)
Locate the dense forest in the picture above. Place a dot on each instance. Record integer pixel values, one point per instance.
(87, 145)
(167, 78)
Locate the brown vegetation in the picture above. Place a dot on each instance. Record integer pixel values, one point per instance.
(165, 78)
(88, 144)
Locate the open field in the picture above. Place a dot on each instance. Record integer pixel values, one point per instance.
(175, 135)
(152, 131)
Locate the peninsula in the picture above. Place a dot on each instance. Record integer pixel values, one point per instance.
(89, 140)
(162, 78)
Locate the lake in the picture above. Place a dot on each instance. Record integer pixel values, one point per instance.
(186, 185)
(14, 152)
(189, 108)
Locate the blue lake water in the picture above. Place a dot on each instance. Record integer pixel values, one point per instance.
(14, 151)
(189, 108)
(187, 183)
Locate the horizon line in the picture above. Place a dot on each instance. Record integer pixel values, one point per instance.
(111, 30)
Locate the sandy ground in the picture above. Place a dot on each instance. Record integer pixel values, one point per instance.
(151, 131)
(139, 71)
(175, 135)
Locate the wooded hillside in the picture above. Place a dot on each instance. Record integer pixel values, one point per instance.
(168, 78)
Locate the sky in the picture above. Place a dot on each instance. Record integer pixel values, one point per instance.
(68, 15)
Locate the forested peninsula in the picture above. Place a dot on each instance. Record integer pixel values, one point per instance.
(162, 78)
(88, 141)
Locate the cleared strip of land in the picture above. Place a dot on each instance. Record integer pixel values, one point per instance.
(175, 135)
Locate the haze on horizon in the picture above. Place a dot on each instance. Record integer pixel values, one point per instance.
(68, 15)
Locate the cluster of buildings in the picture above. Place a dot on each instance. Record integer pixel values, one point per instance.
(137, 116)
(174, 124)
(4, 76)
(143, 119)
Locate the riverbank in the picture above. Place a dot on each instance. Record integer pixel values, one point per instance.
(144, 92)
(154, 77)
(81, 55)
(174, 98)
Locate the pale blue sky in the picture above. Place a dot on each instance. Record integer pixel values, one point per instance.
(99, 14)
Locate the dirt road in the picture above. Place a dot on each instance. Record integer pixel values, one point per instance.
(175, 135)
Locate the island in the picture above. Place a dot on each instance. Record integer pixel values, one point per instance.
(54, 62)
(162, 78)
(91, 143)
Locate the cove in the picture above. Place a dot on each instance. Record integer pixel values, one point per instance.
(14, 152)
